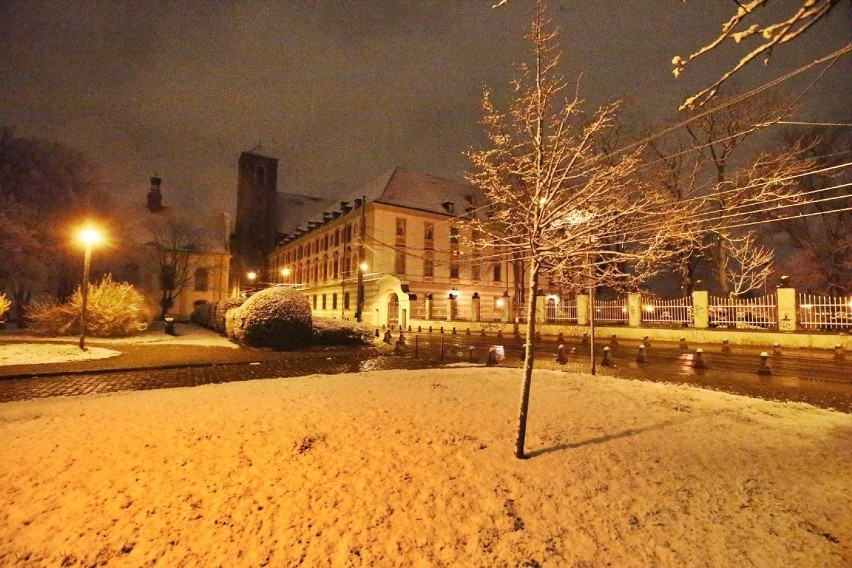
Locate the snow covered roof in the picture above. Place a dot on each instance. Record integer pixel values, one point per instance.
(208, 231)
(398, 187)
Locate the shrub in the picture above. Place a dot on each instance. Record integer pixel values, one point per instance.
(220, 310)
(338, 332)
(202, 314)
(114, 308)
(275, 317)
(5, 304)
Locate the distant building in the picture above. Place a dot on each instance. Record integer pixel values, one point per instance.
(405, 228)
(163, 246)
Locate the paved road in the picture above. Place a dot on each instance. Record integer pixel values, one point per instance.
(814, 377)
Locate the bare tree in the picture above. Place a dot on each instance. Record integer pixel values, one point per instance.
(174, 251)
(742, 27)
(555, 198)
(750, 264)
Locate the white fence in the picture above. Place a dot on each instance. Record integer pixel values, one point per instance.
(563, 311)
(612, 312)
(677, 312)
(754, 313)
(825, 312)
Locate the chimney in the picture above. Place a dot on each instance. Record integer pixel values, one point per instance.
(155, 198)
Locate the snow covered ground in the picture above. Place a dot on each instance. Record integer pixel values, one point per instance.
(39, 350)
(415, 468)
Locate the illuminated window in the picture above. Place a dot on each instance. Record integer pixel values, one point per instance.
(346, 300)
(334, 301)
(323, 301)
(454, 235)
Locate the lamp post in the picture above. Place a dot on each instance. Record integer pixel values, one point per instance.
(89, 237)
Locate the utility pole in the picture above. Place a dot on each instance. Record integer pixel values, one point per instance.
(362, 232)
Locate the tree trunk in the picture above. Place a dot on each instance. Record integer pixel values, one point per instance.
(529, 350)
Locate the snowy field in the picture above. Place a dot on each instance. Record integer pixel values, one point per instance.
(415, 468)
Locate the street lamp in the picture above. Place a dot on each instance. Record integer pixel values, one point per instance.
(285, 272)
(89, 236)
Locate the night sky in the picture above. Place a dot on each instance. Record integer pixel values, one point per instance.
(340, 91)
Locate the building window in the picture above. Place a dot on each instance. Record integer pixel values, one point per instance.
(474, 269)
(202, 280)
(399, 260)
(400, 226)
(428, 265)
(337, 237)
(334, 301)
(498, 273)
(346, 300)
(429, 234)
(323, 301)
(335, 267)
(315, 301)
(454, 235)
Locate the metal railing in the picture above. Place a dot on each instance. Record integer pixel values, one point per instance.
(563, 311)
(677, 312)
(611, 311)
(741, 313)
(825, 312)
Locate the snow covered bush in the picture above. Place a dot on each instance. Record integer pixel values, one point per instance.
(338, 332)
(275, 317)
(114, 308)
(221, 309)
(202, 314)
(5, 304)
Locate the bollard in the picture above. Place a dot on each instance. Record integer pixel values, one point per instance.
(641, 358)
(470, 354)
(538, 336)
(613, 341)
(419, 329)
(559, 339)
(683, 344)
(401, 338)
(607, 361)
(442, 329)
(482, 332)
(467, 332)
(517, 334)
(492, 358)
(646, 341)
(499, 333)
(573, 350)
(698, 362)
(454, 330)
(387, 337)
(170, 326)
(377, 333)
(839, 355)
(561, 357)
(726, 347)
(585, 340)
(430, 329)
(776, 349)
(764, 368)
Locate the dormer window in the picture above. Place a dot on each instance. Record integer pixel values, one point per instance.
(449, 206)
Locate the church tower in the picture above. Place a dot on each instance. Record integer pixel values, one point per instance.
(256, 224)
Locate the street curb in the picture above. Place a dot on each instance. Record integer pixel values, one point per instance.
(76, 372)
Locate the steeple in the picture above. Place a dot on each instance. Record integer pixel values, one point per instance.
(155, 198)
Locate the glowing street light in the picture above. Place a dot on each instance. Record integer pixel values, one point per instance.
(89, 237)
(252, 276)
(285, 272)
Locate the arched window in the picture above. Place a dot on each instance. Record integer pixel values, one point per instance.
(202, 279)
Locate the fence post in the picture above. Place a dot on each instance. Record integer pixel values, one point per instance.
(474, 307)
(787, 309)
(634, 309)
(506, 311)
(700, 311)
(582, 309)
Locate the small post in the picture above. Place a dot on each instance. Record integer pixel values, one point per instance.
(764, 368)
(776, 349)
(683, 344)
(560, 339)
(839, 355)
(698, 362)
(584, 341)
(607, 361)
(454, 330)
(726, 347)
(492, 358)
(646, 341)
(641, 358)
(613, 341)
(561, 357)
